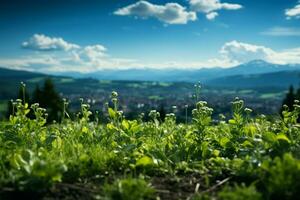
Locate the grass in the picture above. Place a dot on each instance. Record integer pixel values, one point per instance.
(246, 91)
(155, 97)
(241, 157)
(66, 80)
(137, 85)
(105, 82)
(36, 80)
(272, 95)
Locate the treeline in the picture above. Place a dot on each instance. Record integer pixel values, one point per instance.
(46, 96)
(290, 98)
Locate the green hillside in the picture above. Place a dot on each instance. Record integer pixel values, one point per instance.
(278, 79)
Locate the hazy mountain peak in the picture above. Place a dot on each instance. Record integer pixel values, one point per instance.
(258, 62)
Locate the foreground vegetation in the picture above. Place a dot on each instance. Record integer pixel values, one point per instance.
(236, 158)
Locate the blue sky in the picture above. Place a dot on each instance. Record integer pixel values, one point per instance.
(91, 35)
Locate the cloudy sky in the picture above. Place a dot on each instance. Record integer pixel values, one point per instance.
(91, 35)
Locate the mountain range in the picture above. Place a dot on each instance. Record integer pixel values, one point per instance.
(185, 75)
(257, 73)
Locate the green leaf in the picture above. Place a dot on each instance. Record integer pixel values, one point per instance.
(84, 129)
(250, 130)
(57, 143)
(283, 137)
(125, 124)
(135, 128)
(232, 121)
(247, 144)
(269, 136)
(224, 141)
(110, 126)
(205, 149)
(144, 161)
(112, 113)
(216, 152)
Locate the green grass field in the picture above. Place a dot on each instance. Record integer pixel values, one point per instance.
(236, 158)
(272, 95)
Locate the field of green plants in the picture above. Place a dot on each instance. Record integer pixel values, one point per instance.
(241, 157)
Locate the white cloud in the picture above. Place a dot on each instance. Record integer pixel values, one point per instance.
(239, 52)
(287, 56)
(170, 13)
(71, 58)
(243, 52)
(212, 15)
(94, 52)
(42, 42)
(209, 7)
(96, 57)
(282, 31)
(36, 62)
(293, 12)
(230, 6)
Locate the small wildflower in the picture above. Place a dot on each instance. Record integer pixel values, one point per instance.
(222, 117)
(23, 84)
(114, 94)
(114, 100)
(248, 110)
(154, 114)
(120, 113)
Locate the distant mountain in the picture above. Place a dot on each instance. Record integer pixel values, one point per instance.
(18, 74)
(258, 67)
(183, 75)
(256, 73)
(281, 79)
(10, 81)
(166, 75)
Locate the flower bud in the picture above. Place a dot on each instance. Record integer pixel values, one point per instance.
(114, 94)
